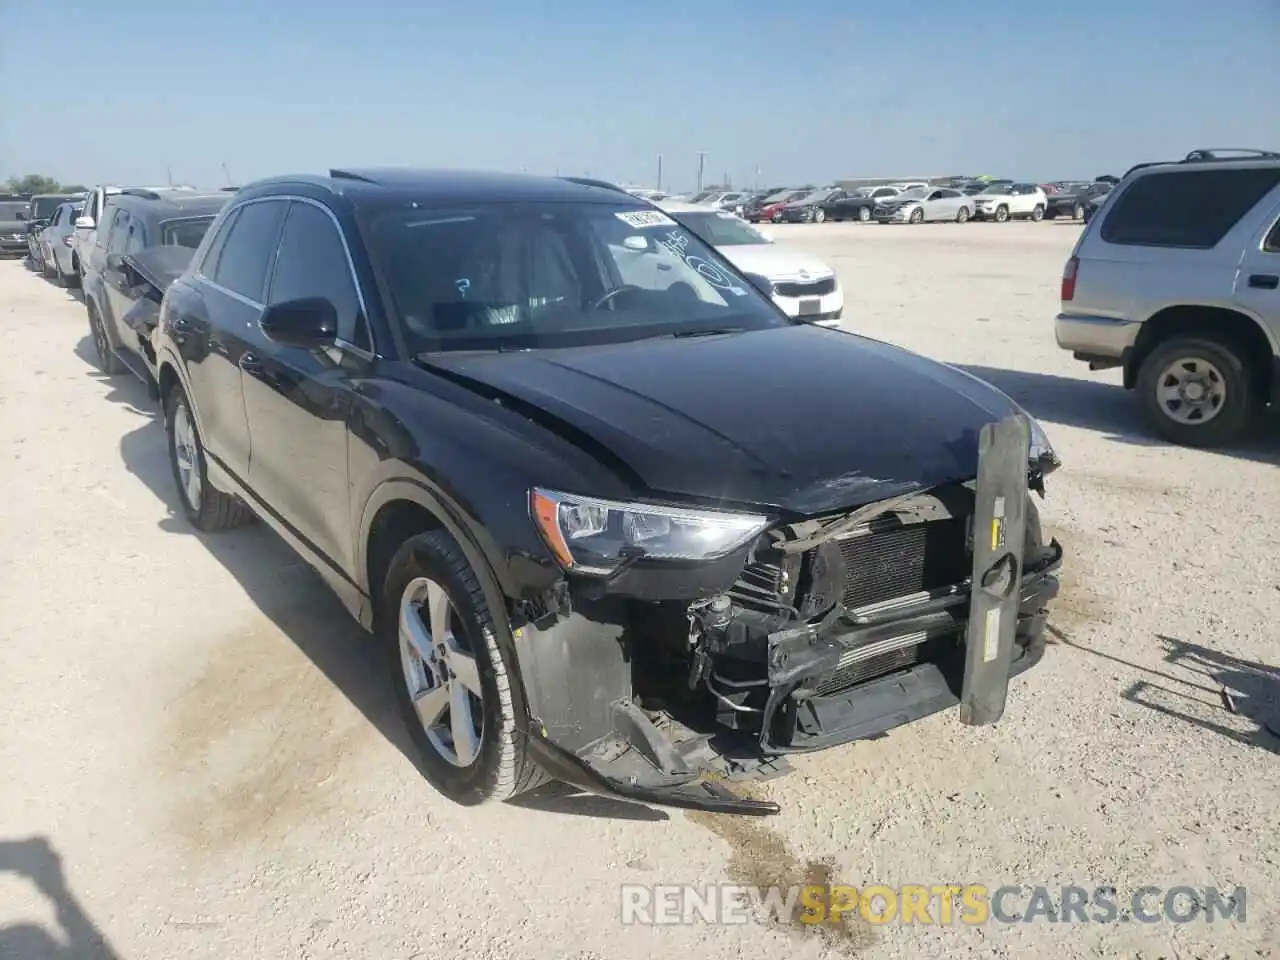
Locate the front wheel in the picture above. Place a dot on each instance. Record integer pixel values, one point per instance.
(917, 215)
(819, 215)
(452, 680)
(1196, 392)
(1037, 214)
(206, 507)
(864, 214)
(1002, 213)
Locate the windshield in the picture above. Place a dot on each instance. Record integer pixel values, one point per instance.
(817, 196)
(42, 207)
(915, 193)
(704, 196)
(13, 210)
(517, 276)
(719, 229)
(997, 188)
(187, 232)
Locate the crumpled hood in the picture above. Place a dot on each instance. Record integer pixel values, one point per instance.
(803, 419)
(774, 262)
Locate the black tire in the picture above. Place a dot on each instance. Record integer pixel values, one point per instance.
(917, 215)
(216, 511)
(502, 767)
(1037, 214)
(108, 362)
(1002, 214)
(1236, 413)
(864, 214)
(1077, 212)
(1051, 214)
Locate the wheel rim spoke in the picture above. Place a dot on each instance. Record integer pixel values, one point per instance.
(414, 632)
(461, 724)
(1191, 390)
(431, 702)
(438, 611)
(463, 667)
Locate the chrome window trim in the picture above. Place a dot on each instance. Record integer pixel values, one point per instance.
(271, 270)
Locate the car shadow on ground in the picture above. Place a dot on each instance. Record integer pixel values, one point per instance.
(298, 602)
(1107, 408)
(33, 859)
(1211, 684)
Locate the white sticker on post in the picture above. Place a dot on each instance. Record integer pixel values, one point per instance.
(991, 636)
(645, 218)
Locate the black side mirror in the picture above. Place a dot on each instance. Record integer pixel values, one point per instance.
(308, 322)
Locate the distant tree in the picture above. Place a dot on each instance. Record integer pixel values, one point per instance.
(34, 183)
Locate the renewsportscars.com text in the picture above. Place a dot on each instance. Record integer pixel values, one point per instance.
(937, 904)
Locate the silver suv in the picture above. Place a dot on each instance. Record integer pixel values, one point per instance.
(1176, 279)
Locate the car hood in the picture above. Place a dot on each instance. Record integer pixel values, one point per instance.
(774, 262)
(802, 419)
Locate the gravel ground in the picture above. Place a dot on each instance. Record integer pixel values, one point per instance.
(197, 734)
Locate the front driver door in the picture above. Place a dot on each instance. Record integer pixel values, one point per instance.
(298, 401)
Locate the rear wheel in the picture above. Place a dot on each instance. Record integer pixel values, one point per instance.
(206, 507)
(452, 680)
(962, 216)
(1037, 214)
(1077, 212)
(1196, 392)
(108, 362)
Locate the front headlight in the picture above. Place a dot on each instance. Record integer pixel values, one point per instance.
(588, 535)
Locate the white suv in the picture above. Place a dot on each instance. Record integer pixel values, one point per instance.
(1176, 280)
(1004, 201)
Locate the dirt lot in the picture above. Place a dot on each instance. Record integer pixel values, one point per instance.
(197, 732)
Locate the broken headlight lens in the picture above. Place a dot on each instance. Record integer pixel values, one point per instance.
(588, 535)
(1041, 453)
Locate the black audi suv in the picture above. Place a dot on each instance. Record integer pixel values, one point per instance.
(619, 521)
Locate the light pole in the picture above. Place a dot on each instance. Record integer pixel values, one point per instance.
(702, 158)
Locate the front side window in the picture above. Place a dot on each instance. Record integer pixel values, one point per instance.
(1186, 208)
(312, 262)
(246, 253)
(534, 275)
(57, 216)
(719, 230)
(1272, 243)
(137, 237)
(118, 230)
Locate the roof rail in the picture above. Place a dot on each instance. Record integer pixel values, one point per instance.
(602, 184)
(144, 192)
(350, 175)
(1230, 153)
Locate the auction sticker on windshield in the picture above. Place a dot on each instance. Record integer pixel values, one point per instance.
(645, 218)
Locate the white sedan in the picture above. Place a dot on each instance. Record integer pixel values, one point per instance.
(803, 286)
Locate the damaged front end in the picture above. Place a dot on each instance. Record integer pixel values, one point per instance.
(660, 682)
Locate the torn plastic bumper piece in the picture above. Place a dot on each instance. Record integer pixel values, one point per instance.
(684, 791)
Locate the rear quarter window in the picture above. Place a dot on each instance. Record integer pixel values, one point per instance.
(1192, 209)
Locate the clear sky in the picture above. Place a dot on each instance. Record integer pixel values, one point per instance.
(806, 90)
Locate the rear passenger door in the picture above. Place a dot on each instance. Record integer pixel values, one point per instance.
(220, 322)
(298, 401)
(1258, 281)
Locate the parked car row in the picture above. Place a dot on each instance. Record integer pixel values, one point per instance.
(560, 455)
(956, 199)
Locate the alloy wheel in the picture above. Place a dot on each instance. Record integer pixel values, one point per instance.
(186, 451)
(440, 672)
(1191, 391)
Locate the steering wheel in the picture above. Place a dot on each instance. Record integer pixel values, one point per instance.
(610, 294)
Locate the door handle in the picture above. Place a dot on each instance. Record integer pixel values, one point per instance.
(250, 364)
(1264, 281)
